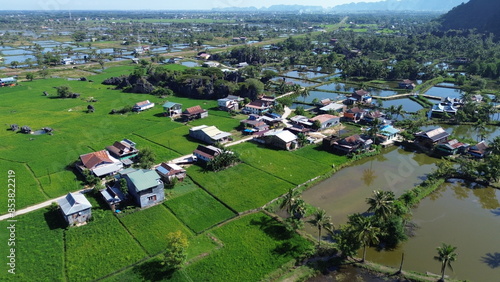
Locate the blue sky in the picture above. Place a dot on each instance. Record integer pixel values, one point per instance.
(161, 4)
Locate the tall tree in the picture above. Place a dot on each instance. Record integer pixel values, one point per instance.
(446, 255)
(175, 255)
(367, 233)
(381, 204)
(321, 220)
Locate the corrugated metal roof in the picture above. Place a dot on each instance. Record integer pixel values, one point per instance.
(73, 203)
(144, 179)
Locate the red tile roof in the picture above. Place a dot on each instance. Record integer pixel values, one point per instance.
(91, 160)
(194, 110)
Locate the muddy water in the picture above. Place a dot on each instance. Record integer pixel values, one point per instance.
(456, 214)
(345, 192)
(463, 217)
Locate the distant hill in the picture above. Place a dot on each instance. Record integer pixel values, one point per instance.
(273, 8)
(483, 15)
(401, 5)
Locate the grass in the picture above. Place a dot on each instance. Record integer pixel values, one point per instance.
(27, 189)
(99, 248)
(317, 154)
(241, 187)
(39, 247)
(280, 163)
(265, 246)
(198, 210)
(151, 226)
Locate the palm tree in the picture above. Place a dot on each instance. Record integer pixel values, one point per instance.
(446, 255)
(365, 232)
(381, 204)
(289, 200)
(398, 111)
(320, 220)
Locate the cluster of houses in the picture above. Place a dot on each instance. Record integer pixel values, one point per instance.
(144, 187)
(437, 140)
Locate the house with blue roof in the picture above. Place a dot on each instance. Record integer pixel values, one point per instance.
(389, 133)
(144, 185)
(75, 208)
(172, 109)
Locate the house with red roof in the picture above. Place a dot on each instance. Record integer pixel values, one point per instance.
(100, 163)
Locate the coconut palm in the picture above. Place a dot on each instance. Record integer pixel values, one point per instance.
(365, 232)
(381, 204)
(321, 220)
(289, 200)
(446, 255)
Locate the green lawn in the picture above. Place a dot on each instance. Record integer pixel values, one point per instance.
(283, 164)
(151, 226)
(198, 210)
(241, 187)
(27, 190)
(39, 247)
(317, 154)
(254, 246)
(99, 248)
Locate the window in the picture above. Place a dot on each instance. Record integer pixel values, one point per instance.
(152, 198)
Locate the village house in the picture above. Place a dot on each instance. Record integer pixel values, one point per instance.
(124, 151)
(209, 134)
(75, 208)
(206, 153)
(8, 81)
(100, 163)
(254, 124)
(142, 106)
(230, 103)
(282, 139)
(443, 108)
(195, 112)
(451, 147)
(211, 64)
(259, 106)
(406, 84)
(144, 185)
(203, 56)
(326, 120)
(354, 115)
(172, 109)
(333, 108)
(301, 120)
(351, 144)
(169, 171)
(113, 195)
(479, 150)
(67, 61)
(371, 116)
(430, 138)
(359, 96)
(388, 133)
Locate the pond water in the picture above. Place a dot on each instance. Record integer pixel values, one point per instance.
(408, 105)
(456, 214)
(13, 52)
(338, 86)
(345, 192)
(304, 74)
(301, 82)
(444, 92)
(320, 95)
(381, 93)
(190, 64)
